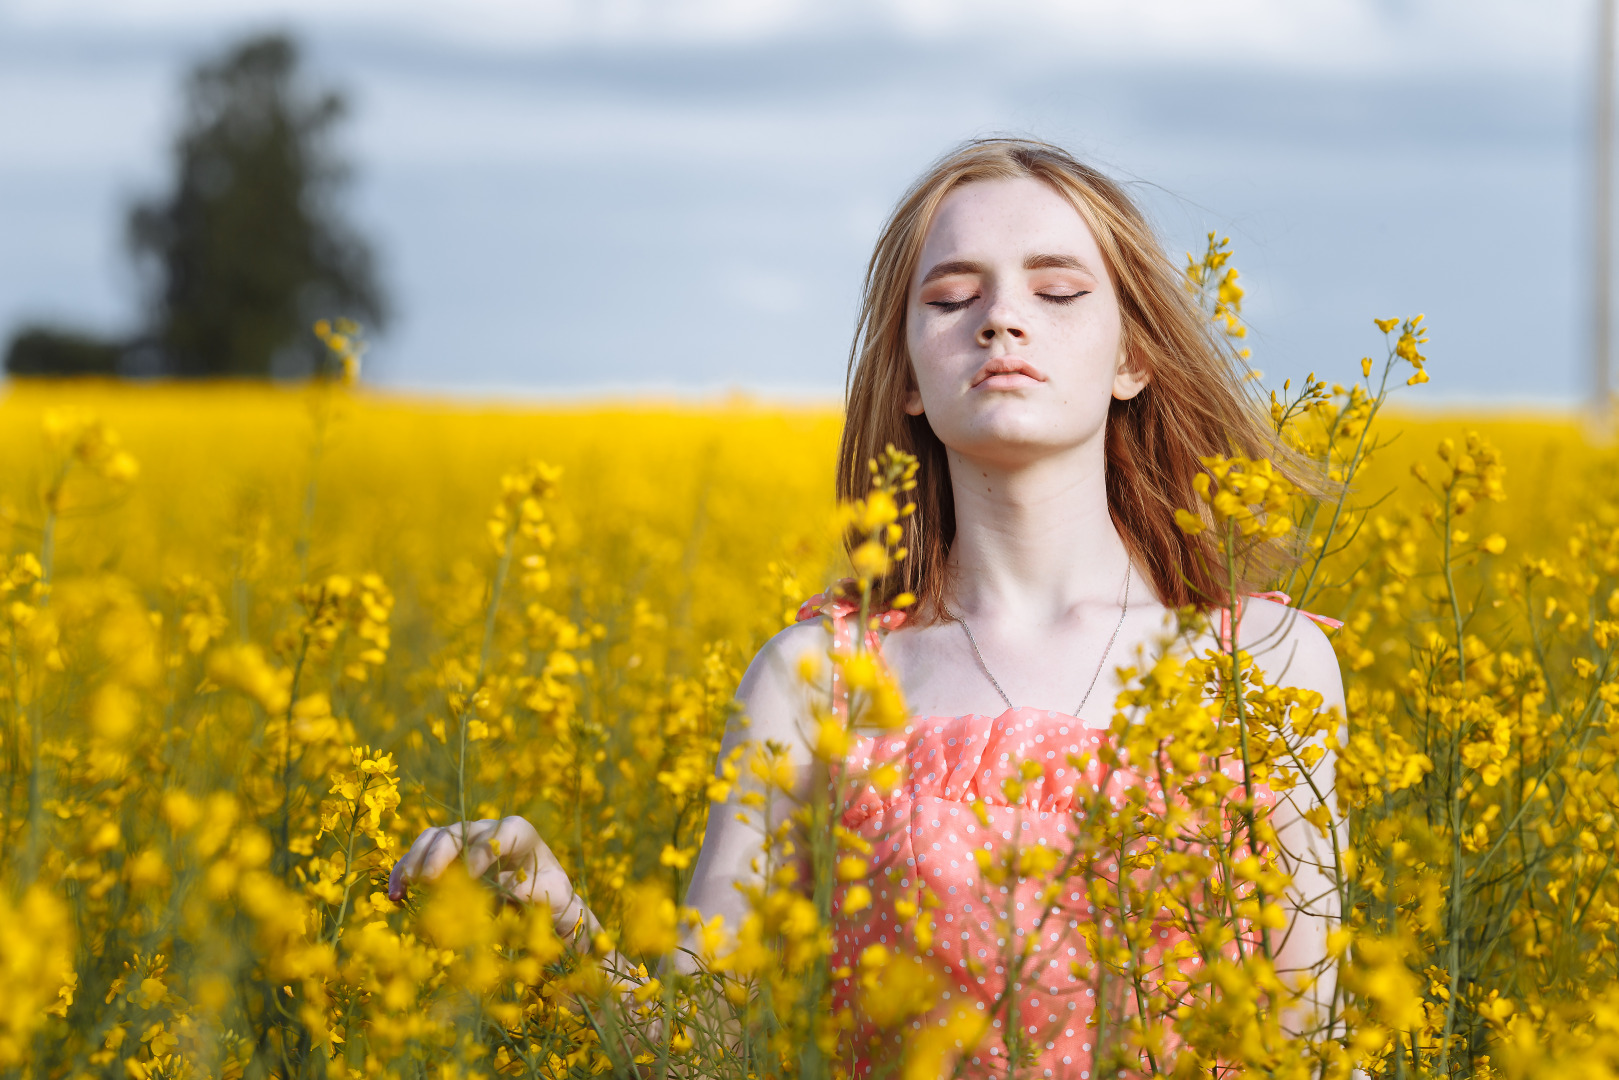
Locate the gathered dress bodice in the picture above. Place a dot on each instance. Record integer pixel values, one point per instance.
(923, 834)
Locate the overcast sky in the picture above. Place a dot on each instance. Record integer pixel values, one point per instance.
(572, 197)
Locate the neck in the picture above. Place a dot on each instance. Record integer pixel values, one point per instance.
(1035, 539)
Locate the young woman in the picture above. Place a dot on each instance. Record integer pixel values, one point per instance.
(1023, 334)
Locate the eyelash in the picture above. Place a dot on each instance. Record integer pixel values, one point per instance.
(948, 306)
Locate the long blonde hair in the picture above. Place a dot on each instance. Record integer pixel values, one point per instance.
(1195, 402)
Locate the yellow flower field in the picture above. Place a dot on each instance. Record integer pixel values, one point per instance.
(253, 639)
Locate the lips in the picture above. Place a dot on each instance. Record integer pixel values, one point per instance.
(1004, 372)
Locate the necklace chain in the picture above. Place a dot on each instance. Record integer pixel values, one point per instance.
(973, 641)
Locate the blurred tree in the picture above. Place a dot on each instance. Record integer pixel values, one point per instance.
(47, 350)
(248, 249)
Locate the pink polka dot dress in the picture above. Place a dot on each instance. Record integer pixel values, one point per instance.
(924, 835)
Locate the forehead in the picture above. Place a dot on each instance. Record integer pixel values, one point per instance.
(1011, 218)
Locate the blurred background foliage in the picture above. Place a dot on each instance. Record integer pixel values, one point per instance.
(248, 247)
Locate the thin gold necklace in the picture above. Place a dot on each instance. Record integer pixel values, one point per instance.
(973, 641)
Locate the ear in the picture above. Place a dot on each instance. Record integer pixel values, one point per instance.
(1129, 377)
(913, 401)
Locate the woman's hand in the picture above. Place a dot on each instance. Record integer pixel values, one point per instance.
(525, 867)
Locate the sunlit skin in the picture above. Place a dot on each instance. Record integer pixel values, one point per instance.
(1016, 342)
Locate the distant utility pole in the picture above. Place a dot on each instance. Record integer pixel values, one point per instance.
(1602, 221)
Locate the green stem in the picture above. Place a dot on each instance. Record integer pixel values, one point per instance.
(47, 558)
(36, 807)
(502, 568)
(1450, 590)
(13, 745)
(285, 852)
(1239, 707)
(1136, 975)
(1455, 809)
(348, 863)
(306, 525)
(461, 779)
(496, 589)
(47, 542)
(1350, 469)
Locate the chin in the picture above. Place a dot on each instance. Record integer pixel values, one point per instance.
(1010, 431)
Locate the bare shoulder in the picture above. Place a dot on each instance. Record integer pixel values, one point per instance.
(775, 697)
(781, 656)
(1291, 649)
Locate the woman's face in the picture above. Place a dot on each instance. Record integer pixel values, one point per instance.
(1013, 325)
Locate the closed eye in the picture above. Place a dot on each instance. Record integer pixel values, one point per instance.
(951, 305)
(1064, 298)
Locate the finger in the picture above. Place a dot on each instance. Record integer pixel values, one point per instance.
(443, 850)
(518, 836)
(532, 860)
(506, 843)
(482, 839)
(542, 859)
(396, 888)
(468, 838)
(481, 849)
(409, 865)
(557, 893)
(396, 884)
(512, 887)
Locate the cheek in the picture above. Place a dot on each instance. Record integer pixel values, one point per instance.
(928, 351)
(1095, 344)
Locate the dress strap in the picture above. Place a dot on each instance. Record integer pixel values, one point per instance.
(836, 604)
(843, 613)
(1275, 596)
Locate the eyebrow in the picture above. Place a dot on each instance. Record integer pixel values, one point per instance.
(1040, 261)
(1054, 262)
(955, 266)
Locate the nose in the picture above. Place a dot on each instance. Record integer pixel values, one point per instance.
(1001, 319)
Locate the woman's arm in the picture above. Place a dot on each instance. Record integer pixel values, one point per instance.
(1293, 652)
(774, 704)
(525, 867)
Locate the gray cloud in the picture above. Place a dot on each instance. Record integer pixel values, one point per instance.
(698, 214)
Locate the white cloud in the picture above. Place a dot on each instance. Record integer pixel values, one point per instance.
(1340, 34)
